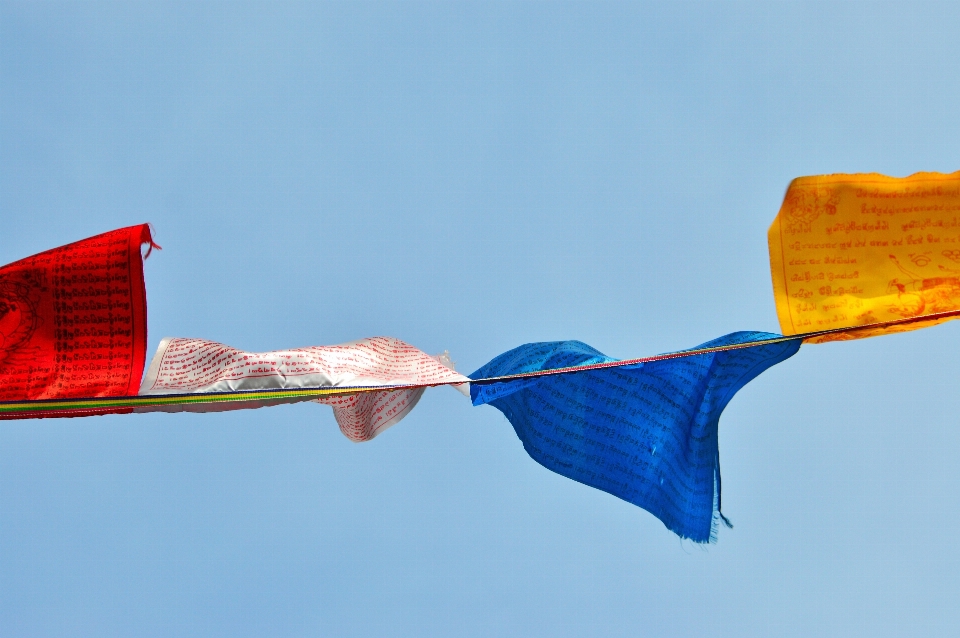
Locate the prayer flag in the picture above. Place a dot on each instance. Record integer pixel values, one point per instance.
(855, 250)
(73, 320)
(381, 378)
(646, 432)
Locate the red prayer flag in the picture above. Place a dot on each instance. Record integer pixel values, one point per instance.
(73, 320)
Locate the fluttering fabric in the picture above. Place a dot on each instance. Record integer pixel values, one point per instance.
(646, 433)
(73, 320)
(197, 366)
(851, 256)
(863, 250)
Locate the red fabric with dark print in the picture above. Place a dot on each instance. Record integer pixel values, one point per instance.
(73, 320)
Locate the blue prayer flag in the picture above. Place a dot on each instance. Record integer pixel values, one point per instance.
(646, 433)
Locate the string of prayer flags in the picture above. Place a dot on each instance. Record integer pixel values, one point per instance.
(851, 256)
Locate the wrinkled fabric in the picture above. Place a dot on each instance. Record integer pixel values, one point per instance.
(866, 249)
(73, 320)
(196, 366)
(645, 433)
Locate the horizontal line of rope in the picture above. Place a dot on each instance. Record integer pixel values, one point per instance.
(42, 407)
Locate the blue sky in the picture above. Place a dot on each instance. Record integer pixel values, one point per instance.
(473, 177)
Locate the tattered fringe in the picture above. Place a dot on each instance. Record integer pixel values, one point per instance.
(146, 237)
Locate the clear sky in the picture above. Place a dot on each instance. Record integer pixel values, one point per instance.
(473, 177)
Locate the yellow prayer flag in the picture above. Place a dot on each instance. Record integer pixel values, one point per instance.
(853, 250)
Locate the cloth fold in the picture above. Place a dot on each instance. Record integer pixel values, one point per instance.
(73, 320)
(646, 433)
(866, 250)
(197, 366)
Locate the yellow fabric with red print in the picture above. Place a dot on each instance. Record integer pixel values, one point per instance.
(863, 249)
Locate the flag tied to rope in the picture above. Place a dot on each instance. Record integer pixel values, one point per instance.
(73, 320)
(856, 250)
(851, 256)
(393, 374)
(644, 432)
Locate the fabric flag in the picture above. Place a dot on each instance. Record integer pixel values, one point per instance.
(646, 433)
(73, 320)
(384, 377)
(856, 250)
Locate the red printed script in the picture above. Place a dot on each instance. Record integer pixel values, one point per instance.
(73, 320)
